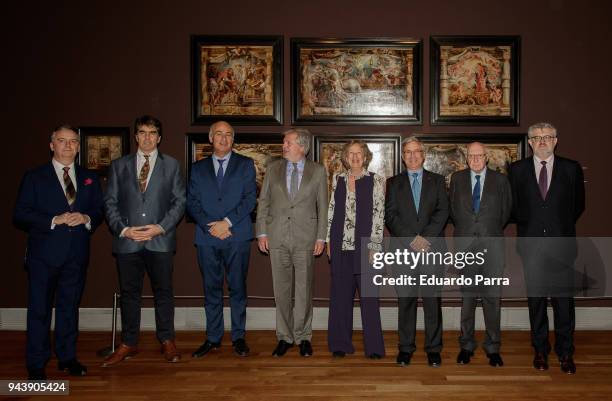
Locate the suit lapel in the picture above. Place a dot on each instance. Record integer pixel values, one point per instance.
(465, 181)
(132, 169)
(229, 170)
(555, 177)
(306, 178)
(58, 190)
(282, 177)
(405, 191)
(425, 185)
(532, 176)
(158, 171)
(487, 190)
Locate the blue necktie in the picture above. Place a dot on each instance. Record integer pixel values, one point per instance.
(416, 190)
(476, 195)
(220, 172)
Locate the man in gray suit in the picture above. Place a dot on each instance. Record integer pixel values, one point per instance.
(291, 226)
(145, 200)
(480, 206)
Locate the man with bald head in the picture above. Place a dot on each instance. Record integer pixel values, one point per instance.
(480, 206)
(220, 198)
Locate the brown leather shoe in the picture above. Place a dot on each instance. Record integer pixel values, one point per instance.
(121, 353)
(170, 352)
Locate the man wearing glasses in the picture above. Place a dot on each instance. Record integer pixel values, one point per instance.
(480, 205)
(548, 199)
(416, 211)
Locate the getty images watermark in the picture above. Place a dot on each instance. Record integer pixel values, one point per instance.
(407, 259)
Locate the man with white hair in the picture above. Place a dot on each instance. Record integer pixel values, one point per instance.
(292, 227)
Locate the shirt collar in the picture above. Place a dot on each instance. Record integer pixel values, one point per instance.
(59, 166)
(152, 155)
(482, 174)
(300, 163)
(411, 172)
(225, 157)
(539, 161)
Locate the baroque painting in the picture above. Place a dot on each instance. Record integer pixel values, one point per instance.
(356, 81)
(237, 79)
(475, 79)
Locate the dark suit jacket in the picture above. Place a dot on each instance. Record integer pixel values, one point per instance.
(495, 205)
(162, 203)
(41, 197)
(556, 215)
(401, 216)
(236, 198)
(304, 219)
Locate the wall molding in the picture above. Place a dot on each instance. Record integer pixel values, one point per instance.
(192, 318)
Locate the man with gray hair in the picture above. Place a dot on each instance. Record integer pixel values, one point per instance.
(292, 226)
(548, 199)
(416, 210)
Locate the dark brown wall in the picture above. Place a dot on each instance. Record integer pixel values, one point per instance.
(102, 63)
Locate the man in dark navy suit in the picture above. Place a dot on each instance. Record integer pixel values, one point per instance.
(548, 199)
(221, 196)
(59, 205)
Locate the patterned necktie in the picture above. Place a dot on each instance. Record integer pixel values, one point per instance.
(144, 173)
(220, 172)
(543, 180)
(70, 191)
(293, 186)
(416, 190)
(476, 195)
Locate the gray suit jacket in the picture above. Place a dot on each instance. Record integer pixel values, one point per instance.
(495, 205)
(162, 203)
(303, 220)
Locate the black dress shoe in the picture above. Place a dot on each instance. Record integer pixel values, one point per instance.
(305, 348)
(568, 366)
(375, 356)
(338, 354)
(37, 374)
(205, 349)
(240, 347)
(403, 358)
(434, 360)
(282, 348)
(464, 356)
(73, 367)
(540, 361)
(495, 360)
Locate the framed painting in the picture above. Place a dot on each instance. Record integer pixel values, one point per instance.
(475, 80)
(447, 153)
(356, 81)
(237, 79)
(385, 148)
(101, 145)
(262, 148)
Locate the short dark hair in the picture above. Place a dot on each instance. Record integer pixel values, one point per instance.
(147, 120)
(64, 127)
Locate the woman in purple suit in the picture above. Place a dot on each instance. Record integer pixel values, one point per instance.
(356, 211)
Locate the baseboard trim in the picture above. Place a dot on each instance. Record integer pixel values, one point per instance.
(192, 318)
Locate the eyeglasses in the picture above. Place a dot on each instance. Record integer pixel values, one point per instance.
(477, 157)
(545, 138)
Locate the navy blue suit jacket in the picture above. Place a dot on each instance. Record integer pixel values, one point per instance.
(236, 198)
(41, 197)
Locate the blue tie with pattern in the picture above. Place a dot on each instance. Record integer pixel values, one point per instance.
(220, 172)
(476, 195)
(416, 190)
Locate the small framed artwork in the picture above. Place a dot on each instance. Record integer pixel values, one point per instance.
(262, 148)
(356, 81)
(101, 145)
(385, 149)
(447, 153)
(237, 79)
(475, 80)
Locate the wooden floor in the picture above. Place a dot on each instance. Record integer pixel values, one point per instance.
(224, 376)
